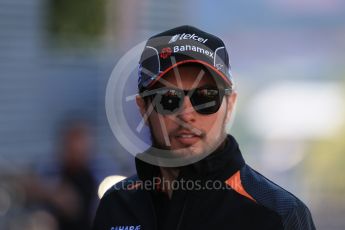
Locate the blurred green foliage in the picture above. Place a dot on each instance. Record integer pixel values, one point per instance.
(326, 164)
(72, 20)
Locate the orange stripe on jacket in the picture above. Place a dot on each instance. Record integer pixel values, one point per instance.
(235, 183)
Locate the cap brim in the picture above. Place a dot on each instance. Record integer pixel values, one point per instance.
(219, 73)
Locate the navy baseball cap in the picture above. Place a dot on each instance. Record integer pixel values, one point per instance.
(181, 45)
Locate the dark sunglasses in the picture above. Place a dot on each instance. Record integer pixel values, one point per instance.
(205, 100)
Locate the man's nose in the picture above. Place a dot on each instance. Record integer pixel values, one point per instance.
(187, 112)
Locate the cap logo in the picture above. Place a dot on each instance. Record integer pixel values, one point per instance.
(219, 66)
(165, 52)
(174, 38)
(197, 49)
(185, 36)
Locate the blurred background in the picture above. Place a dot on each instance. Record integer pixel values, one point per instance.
(57, 152)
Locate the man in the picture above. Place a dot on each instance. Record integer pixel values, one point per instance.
(198, 177)
(67, 190)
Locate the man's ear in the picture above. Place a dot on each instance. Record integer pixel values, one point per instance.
(231, 100)
(142, 106)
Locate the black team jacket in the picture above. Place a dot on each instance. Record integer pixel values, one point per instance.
(229, 195)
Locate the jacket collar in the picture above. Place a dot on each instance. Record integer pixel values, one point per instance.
(222, 162)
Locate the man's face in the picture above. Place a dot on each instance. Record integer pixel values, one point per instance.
(187, 132)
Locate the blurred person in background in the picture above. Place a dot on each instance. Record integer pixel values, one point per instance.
(76, 177)
(186, 98)
(70, 193)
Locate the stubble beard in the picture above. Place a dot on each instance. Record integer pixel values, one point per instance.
(193, 150)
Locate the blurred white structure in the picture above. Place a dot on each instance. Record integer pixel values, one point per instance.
(285, 115)
(297, 110)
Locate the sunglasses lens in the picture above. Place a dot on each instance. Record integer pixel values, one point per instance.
(168, 101)
(206, 101)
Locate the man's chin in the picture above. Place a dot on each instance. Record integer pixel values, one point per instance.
(184, 150)
(188, 151)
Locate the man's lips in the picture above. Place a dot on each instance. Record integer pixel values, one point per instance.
(187, 138)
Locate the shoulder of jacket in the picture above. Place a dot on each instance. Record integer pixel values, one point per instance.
(267, 193)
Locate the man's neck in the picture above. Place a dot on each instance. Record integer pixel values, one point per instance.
(169, 174)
